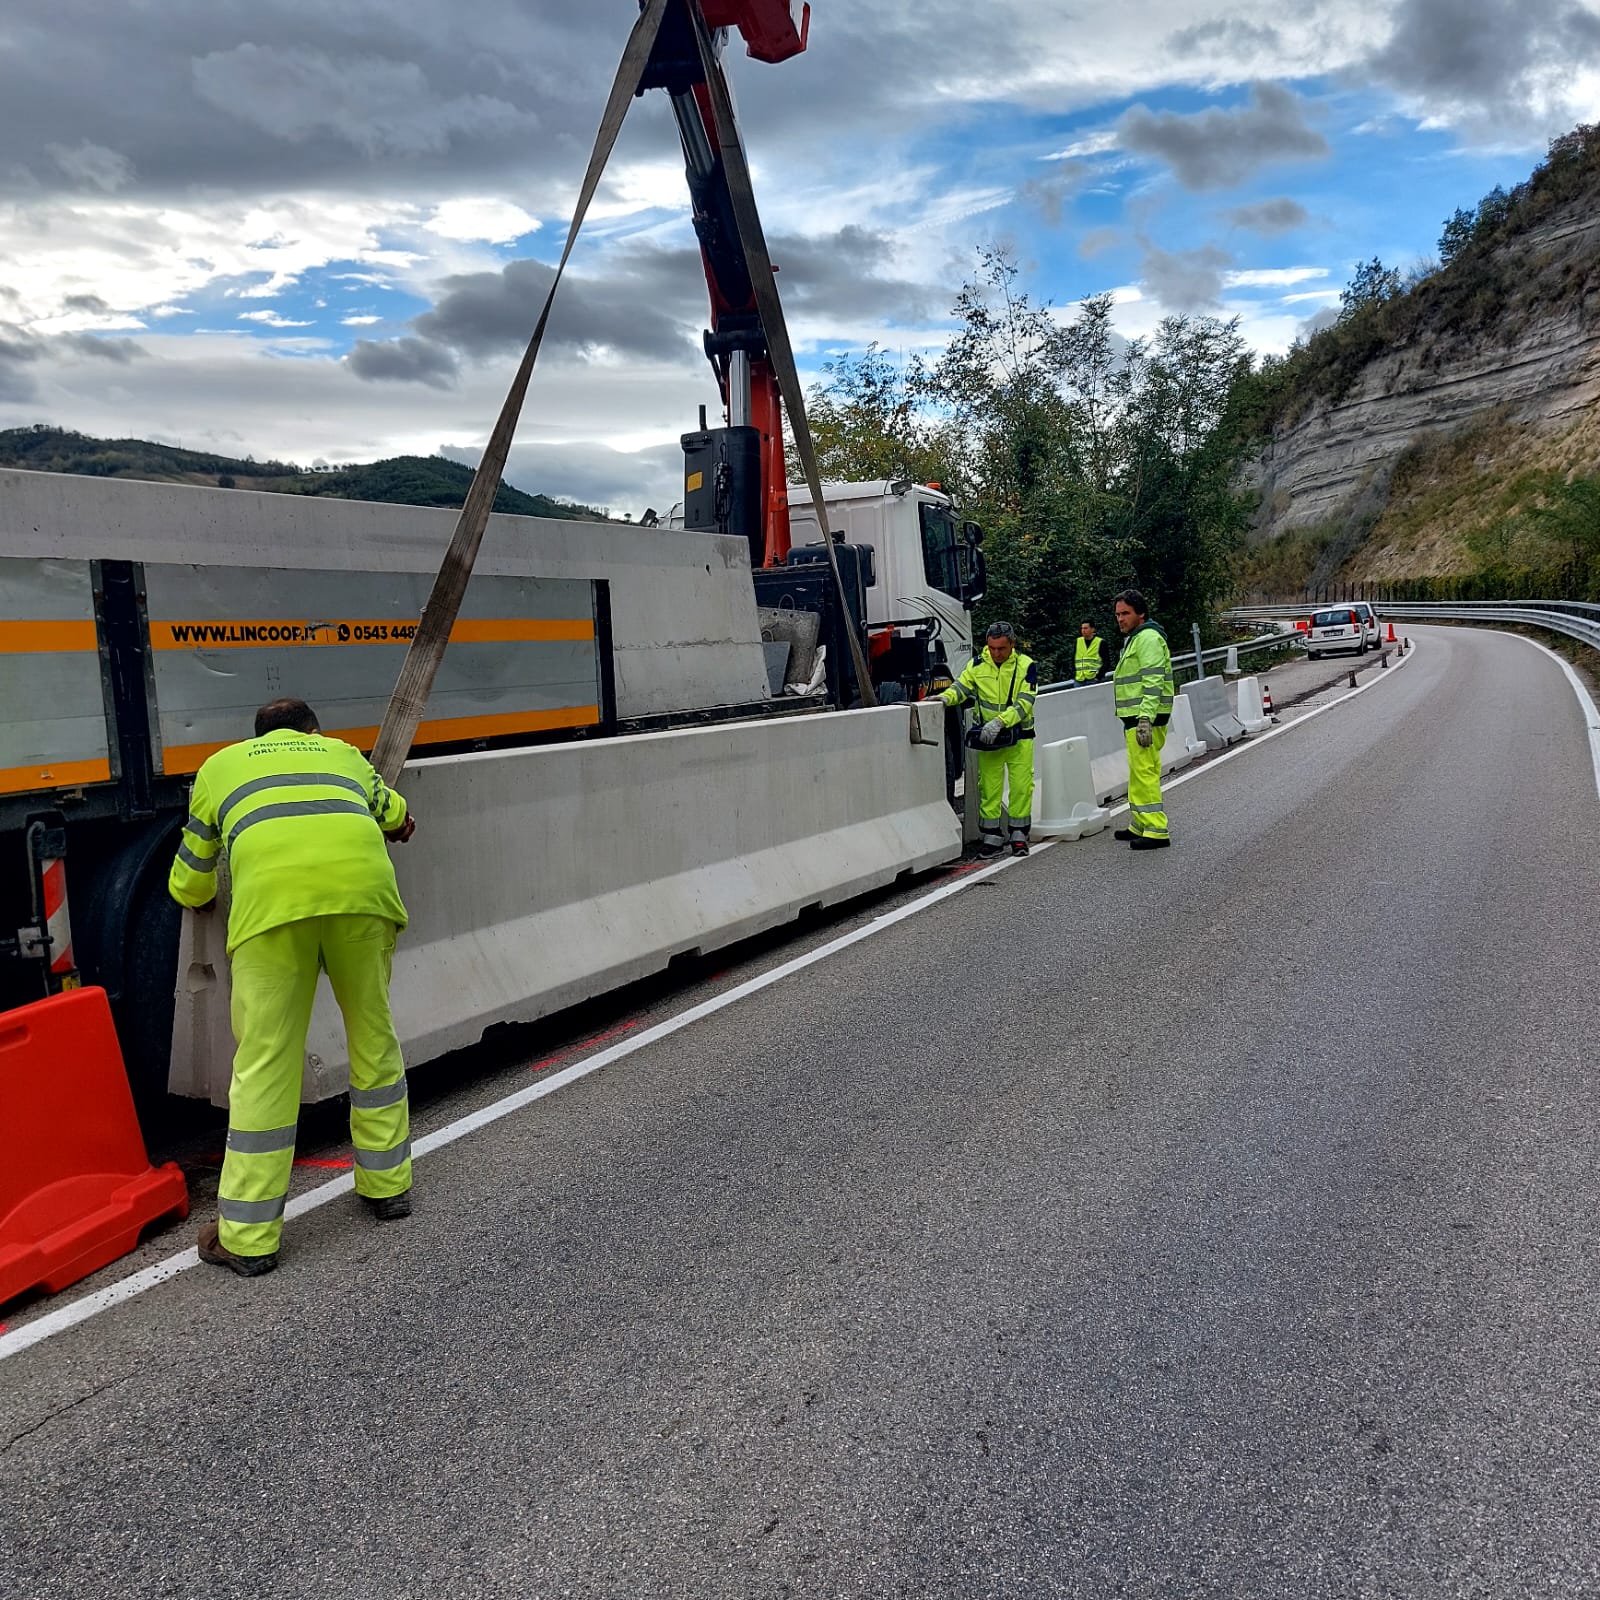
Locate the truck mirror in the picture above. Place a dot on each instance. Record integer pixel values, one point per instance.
(972, 533)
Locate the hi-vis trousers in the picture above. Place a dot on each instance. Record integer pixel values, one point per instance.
(1005, 789)
(274, 984)
(1146, 809)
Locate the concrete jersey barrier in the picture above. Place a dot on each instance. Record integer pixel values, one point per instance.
(540, 878)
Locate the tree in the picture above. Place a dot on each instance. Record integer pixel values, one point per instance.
(1371, 286)
(1092, 462)
(868, 422)
(1459, 232)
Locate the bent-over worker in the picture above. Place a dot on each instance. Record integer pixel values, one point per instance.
(302, 820)
(1144, 693)
(1001, 686)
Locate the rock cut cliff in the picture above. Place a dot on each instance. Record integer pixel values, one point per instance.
(1498, 351)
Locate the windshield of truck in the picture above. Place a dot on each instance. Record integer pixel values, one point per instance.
(941, 563)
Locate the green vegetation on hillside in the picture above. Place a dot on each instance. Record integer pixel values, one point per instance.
(402, 480)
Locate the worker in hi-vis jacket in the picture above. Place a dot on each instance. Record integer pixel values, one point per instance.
(1093, 658)
(1001, 685)
(302, 821)
(1144, 696)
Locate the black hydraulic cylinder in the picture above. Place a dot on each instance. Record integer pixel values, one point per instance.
(722, 485)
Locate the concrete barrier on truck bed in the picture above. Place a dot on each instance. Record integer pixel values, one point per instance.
(539, 878)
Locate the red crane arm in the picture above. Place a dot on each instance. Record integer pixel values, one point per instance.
(736, 343)
(768, 26)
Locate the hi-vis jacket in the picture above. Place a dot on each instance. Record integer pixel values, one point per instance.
(1143, 678)
(1090, 661)
(1006, 692)
(301, 818)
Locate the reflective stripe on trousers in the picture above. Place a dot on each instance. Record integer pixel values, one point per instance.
(274, 984)
(1146, 810)
(1005, 785)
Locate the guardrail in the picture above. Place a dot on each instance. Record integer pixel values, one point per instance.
(1577, 619)
(1187, 661)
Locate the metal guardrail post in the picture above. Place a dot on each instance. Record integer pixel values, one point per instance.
(1199, 654)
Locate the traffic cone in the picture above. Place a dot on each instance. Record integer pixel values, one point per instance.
(1266, 700)
(1391, 639)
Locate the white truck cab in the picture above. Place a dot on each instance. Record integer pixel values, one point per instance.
(928, 564)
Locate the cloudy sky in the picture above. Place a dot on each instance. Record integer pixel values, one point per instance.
(322, 232)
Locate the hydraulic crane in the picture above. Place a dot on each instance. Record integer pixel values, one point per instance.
(742, 479)
(735, 476)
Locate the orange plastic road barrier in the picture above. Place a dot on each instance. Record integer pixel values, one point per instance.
(76, 1186)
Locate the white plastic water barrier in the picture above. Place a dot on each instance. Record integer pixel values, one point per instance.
(1065, 807)
(540, 878)
(1090, 714)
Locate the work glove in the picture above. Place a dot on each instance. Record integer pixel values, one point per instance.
(401, 834)
(992, 730)
(1144, 733)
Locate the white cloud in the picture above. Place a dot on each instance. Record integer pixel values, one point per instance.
(271, 319)
(134, 257)
(492, 221)
(1273, 277)
(1092, 144)
(359, 322)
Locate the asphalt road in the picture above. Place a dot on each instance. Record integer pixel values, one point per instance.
(1218, 1222)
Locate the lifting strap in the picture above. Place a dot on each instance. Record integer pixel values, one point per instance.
(417, 672)
(410, 698)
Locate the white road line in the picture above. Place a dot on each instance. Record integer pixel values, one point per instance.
(91, 1305)
(1591, 712)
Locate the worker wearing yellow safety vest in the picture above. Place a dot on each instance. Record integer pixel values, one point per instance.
(301, 820)
(1093, 660)
(1144, 696)
(1001, 686)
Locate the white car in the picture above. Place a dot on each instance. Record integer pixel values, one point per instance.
(1336, 628)
(1369, 621)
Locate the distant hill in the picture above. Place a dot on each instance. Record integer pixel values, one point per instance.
(402, 480)
(1446, 428)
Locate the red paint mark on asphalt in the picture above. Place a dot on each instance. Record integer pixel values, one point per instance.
(331, 1163)
(576, 1049)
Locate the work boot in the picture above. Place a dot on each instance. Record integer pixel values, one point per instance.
(1124, 834)
(1142, 843)
(989, 850)
(389, 1207)
(1019, 847)
(212, 1249)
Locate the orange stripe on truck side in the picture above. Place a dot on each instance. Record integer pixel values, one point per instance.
(180, 758)
(250, 633)
(46, 638)
(57, 775)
